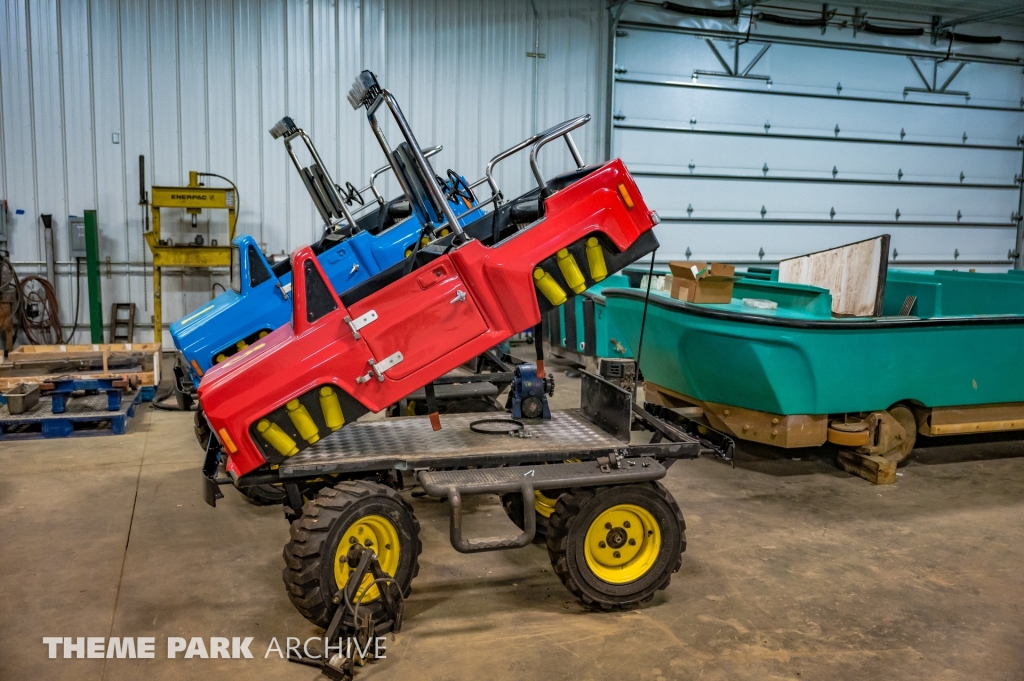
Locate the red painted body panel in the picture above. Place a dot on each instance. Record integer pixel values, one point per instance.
(416, 316)
(415, 304)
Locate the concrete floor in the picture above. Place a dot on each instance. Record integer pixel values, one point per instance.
(794, 570)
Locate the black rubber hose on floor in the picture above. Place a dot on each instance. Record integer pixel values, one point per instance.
(158, 402)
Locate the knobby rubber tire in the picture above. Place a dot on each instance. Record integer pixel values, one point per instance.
(309, 555)
(202, 430)
(513, 505)
(567, 530)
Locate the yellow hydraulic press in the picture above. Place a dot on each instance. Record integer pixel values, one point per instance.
(194, 199)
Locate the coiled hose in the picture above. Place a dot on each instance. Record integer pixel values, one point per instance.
(39, 312)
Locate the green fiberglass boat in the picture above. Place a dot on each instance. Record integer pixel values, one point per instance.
(948, 348)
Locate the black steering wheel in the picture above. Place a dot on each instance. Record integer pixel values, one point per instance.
(457, 188)
(352, 194)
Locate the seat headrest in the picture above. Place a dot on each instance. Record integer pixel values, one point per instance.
(419, 195)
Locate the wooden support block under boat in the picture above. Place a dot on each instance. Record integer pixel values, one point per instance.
(981, 418)
(874, 469)
(586, 361)
(796, 430)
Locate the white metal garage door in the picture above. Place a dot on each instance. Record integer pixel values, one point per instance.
(816, 146)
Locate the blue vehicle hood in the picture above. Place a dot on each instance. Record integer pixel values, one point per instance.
(198, 333)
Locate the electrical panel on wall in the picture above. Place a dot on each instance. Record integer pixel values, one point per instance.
(76, 236)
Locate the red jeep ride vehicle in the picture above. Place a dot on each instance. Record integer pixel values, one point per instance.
(447, 303)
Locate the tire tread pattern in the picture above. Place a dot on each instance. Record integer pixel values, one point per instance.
(306, 548)
(560, 523)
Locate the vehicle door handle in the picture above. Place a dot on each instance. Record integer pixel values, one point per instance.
(460, 296)
(365, 378)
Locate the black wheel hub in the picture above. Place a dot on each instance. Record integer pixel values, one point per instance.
(616, 538)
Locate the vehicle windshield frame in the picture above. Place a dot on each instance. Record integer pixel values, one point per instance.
(236, 269)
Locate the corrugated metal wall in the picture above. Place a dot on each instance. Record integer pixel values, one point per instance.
(195, 85)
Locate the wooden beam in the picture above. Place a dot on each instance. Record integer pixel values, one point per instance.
(874, 469)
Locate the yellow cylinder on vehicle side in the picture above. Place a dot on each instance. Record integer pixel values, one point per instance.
(595, 260)
(277, 438)
(549, 287)
(219, 358)
(571, 271)
(241, 345)
(330, 405)
(302, 421)
(263, 334)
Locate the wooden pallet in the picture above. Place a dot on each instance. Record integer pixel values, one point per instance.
(43, 363)
(85, 415)
(791, 431)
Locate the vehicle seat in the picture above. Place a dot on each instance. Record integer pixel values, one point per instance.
(419, 195)
(374, 222)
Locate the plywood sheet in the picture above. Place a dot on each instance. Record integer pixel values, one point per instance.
(854, 274)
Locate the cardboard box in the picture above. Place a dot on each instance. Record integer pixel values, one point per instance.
(702, 282)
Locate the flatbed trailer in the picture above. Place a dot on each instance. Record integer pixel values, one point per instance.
(589, 476)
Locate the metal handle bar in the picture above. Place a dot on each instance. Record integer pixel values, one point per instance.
(560, 130)
(539, 139)
(298, 132)
(417, 154)
(488, 171)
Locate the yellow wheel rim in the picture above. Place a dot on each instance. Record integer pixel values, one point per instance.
(622, 544)
(544, 505)
(373, 532)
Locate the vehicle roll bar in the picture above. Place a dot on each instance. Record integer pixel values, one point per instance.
(366, 91)
(318, 180)
(537, 141)
(552, 133)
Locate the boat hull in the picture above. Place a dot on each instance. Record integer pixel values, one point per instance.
(790, 366)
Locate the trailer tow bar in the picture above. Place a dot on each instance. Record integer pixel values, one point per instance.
(347, 620)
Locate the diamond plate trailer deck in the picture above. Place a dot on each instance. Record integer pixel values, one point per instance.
(607, 424)
(410, 443)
